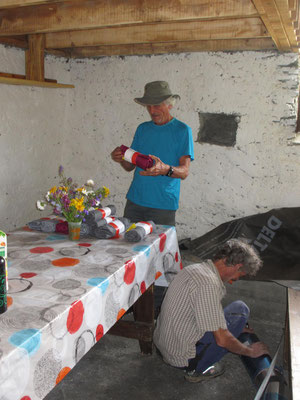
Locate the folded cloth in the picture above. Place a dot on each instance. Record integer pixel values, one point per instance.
(140, 230)
(136, 158)
(62, 227)
(112, 230)
(100, 213)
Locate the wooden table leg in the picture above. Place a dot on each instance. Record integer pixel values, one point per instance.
(143, 311)
(143, 325)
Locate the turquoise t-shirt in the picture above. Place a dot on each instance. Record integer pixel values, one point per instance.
(169, 142)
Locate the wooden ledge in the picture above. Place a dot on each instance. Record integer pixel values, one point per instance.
(294, 328)
(27, 82)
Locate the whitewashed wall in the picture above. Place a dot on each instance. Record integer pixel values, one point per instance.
(80, 127)
(32, 124)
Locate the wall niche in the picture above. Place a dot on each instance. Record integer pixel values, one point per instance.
(218, 128)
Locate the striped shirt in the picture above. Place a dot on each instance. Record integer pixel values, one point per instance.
(192, 306)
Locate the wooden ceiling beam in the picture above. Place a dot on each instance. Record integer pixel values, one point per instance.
(70, 15)
(22, 3)
(163, 32)
(16, 41)
(277, 18)
(174, 47)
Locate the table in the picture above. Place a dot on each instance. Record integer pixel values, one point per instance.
(64, 296)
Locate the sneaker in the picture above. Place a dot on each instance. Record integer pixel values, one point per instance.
(209, 373)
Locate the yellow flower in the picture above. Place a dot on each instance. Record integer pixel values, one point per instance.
(78, 204)
(106, 191)
(53, 190)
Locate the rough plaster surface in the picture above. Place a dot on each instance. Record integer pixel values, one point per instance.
(31, 136)
(80, 127)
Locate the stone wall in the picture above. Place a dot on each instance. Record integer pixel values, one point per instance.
(42, 128)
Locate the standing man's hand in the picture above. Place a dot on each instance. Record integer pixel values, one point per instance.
(159, 168)
(117, 156)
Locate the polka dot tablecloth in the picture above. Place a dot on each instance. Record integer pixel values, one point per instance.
(64, 296)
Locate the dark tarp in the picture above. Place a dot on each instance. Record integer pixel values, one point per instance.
(275, 234)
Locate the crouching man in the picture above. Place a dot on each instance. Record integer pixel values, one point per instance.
(193, 332)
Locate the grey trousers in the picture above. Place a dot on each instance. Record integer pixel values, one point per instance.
(137, 213)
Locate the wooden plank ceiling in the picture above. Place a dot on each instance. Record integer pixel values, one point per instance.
(93, 28)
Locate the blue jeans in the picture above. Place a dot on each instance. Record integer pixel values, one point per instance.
(236, 315)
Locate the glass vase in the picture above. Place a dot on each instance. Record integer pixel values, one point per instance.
(74, 230)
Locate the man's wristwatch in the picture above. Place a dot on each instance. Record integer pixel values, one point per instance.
(170, 172)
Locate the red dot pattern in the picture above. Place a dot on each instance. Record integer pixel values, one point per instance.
(27, 275)
(129, 272)
(143, 287)
(75, 317)
(41, 250)
(162, 242)
(99, 332)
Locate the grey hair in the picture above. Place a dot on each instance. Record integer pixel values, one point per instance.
(171, 101)
(238, 251)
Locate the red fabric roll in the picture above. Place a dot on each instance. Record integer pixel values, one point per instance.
(136, 158)
(62, 227)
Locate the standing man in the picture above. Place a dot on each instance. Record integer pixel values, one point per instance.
(193, 332)
(154, 193)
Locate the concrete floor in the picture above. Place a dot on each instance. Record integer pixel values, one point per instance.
(114, 368)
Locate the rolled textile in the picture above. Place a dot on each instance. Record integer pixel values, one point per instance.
(62, 227)
(36, 225)
(49, 225)
(85, 229)
(141, 229)
(100, 213)
(113, 229)
(102, 222)
(136, 158)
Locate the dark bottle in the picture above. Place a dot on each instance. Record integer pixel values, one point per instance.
(3, 294)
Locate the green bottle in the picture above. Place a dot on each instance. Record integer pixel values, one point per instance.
(3, 293)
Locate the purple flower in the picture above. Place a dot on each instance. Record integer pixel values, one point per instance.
(60, 170)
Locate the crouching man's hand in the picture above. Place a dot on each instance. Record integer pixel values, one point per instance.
(258, 349)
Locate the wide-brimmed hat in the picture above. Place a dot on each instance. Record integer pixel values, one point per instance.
(155, 93)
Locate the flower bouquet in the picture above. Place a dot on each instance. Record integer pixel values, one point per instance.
(72, 201)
